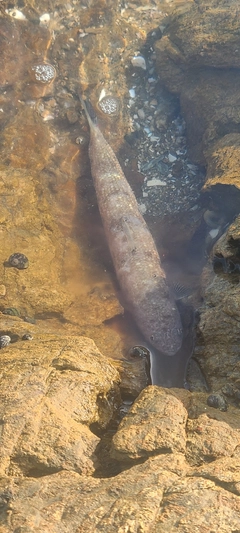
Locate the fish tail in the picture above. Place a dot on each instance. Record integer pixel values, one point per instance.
(90, 113)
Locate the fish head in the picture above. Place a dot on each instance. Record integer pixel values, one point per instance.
(167, 340)
(166, 333)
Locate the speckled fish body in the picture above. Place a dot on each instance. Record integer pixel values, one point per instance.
(134, 254)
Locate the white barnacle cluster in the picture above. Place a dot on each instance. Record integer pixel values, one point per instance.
(44, 72)
(109, 105)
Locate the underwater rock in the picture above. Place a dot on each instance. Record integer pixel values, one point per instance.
(218, 328)
(18, 260)
(201, 34)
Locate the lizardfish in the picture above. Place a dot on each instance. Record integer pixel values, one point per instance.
(135, 257)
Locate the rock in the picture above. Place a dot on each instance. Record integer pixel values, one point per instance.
(208, 439)
(134, 376)
(155, 424)
(196, 59)
(212, 97)
(52, 390)
(151, 497)
(218, 329)
(198, 35)
(223, 160)
(223, 471)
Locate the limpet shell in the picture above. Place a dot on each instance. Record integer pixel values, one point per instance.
(18, 260)
(4, 341)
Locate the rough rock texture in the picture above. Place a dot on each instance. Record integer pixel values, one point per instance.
(217, 350)
(207, 440)
(154, 424)
(59, 395)
(153, 497)
(52, 390)
(223, 181)
(195, 59)
(134, 376)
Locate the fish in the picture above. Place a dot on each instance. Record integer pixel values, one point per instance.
(134, 254)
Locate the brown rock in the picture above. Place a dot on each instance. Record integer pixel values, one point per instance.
(225, 470)
(151, 497)
(134, 376)
(199, 34)
(52, 390)
(223, 161)
(154, 424)
(209, 439)
(218, 329)
(196, 58)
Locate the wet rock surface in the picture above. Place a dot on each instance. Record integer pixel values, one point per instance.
(53, 389)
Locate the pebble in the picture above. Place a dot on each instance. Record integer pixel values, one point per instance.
(132, 93)
(171, 158)
(154, 182)
(3, 290)
(141, 114)
(139, 62)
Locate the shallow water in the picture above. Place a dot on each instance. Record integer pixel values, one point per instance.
(47, 58)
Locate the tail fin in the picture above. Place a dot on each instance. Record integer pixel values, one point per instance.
(90, 113)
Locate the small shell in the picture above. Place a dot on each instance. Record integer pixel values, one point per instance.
(109, 105)
(44, 72)
(139, 62)
(3, 290)
(4, 341)
(29, 319)
(217, 401)
(12, 311)
(27, 337)
(44, 19)
(18, 260)
(15, 13)
(139, 351)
